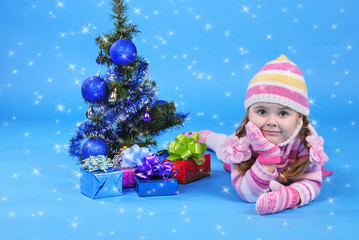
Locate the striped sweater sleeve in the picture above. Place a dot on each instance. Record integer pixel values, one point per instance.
(254, 183)
(309, 184)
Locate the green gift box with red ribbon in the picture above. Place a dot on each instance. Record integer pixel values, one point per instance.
(189, 159)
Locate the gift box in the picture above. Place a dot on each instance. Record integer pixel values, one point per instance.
(158, 187)
(154, 178)
(128, 160)
(128, 180)
(190, 171)
(189, 159)
(100, 184)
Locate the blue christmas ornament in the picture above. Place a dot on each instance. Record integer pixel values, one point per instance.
(94, 147)
(94, 89)
(146, 116)
(123, 52)
(99, 57)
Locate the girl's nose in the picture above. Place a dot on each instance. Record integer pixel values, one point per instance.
(271, 122)
(271, 125)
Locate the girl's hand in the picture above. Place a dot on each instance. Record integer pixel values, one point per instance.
(280, 198)
(269, 153)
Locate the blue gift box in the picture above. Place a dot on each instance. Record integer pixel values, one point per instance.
(99, 184)
(159, 187)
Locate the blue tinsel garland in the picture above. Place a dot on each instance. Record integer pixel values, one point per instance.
(115, 114)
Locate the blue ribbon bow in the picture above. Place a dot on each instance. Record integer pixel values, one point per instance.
(95, 163)
(133, 157)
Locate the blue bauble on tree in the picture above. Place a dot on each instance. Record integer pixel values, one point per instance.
(123, 52)
(94, 147)
(94, 89)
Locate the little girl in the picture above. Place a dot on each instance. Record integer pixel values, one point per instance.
(275, 157)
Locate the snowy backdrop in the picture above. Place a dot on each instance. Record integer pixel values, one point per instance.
(202, 55)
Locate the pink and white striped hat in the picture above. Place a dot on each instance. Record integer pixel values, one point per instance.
(279, 81)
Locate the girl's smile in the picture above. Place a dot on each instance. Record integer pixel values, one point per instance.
(270, 133)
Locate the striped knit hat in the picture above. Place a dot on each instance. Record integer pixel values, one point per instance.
(279, 81)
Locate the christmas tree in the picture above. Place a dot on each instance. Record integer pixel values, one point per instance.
(123, 108)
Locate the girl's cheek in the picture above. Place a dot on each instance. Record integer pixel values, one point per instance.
(261, 123)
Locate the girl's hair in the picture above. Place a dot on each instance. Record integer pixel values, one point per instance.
(291, 172)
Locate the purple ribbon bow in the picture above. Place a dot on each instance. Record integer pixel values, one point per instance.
(152, 168)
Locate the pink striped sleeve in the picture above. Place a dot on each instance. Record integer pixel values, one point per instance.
(254, 183)
(309, 184)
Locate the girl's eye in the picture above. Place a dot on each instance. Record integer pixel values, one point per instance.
(283, 113)
(261, 112)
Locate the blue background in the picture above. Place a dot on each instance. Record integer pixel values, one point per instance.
(202, 55)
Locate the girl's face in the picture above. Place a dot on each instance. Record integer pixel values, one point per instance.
(276, 122)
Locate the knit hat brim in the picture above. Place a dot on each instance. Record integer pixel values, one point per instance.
(279, 81)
